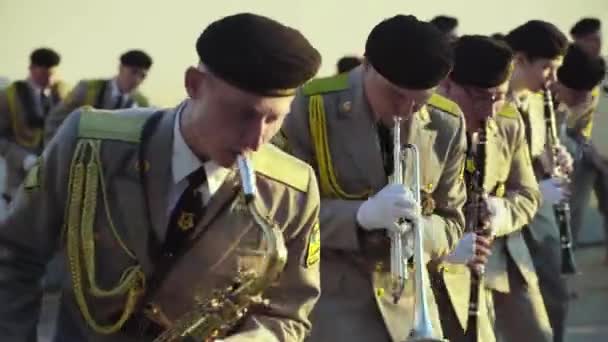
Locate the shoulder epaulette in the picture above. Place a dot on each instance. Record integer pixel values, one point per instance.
(141, 99)
(280, 166)
(509, 110)
(101, 124)
(444, 104)
(60, 88)
(97, 82)
(326, 85)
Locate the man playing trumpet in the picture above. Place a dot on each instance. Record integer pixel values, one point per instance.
(342, 126)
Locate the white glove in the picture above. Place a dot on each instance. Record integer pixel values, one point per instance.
(29, 161)
(464, 251)
(499, 215)
(563, 159)
(552, 191)
(383, 210)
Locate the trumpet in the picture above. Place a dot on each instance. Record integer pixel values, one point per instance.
(423, 328)
(561, 209)
(398, 262)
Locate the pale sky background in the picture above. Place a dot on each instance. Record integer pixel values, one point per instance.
(90, 35)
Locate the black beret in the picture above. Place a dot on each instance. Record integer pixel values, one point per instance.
(481, 61)
(258, 54)
(347, 63)
(45, 57)
(585, 26)
(538, 39)
(408, 52)
(580, 70)
(444, 23)
(136, 58)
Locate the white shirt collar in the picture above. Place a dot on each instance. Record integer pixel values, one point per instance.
(184, 162)
(115, 91)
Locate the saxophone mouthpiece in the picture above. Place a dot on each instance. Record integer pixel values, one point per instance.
(247, 177)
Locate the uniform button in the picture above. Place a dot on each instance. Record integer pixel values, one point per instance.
(168, 255)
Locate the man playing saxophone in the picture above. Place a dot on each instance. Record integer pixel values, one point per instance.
(159, 220)
(342, 126)
(478, 84)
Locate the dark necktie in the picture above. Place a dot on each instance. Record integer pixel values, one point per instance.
(118, 103)
(187, 212)
(45, 103)
(386, 147)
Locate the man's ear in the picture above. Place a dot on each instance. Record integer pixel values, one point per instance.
(193, 82)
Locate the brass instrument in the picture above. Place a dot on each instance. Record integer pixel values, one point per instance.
(423, 328)
(476, 194)
(398, 258)
(217, 316)
(561, 209)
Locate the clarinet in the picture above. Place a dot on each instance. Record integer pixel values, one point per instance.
(476, 194)
(561, 210)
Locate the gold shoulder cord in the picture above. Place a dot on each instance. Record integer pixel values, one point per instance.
(84, 183)
(318, 131)
(19, 127)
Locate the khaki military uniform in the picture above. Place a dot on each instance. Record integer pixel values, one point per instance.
(342, 145)
(21, 129)
(590, 168)
(542, 234)
(115, 220)
(96, 93)
(508, 174)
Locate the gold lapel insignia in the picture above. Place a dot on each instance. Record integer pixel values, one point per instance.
(185, 221)
(138, 165)
(346, 106)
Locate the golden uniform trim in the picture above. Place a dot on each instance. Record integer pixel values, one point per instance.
(86, 181)
(24, 136)
(273, 163)
(328, 181)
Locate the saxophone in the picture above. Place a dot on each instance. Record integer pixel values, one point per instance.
(217, 316)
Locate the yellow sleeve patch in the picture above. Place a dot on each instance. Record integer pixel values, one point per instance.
(313, 252)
